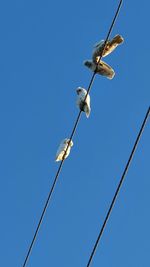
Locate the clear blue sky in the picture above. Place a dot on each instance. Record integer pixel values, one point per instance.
(42, 47)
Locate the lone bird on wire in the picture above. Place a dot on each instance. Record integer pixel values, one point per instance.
(83, 105)
(109, 48)
(62, 149)
(101, 68)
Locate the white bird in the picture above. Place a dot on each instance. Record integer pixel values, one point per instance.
(101, 68)
(109, 48)
(62, 149)
(83, 105)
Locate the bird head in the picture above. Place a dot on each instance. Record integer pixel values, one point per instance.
(99, 44)
(66, 141)
(80, 90)
(88, 63)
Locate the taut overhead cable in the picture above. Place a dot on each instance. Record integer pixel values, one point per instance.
(71, 137)
(119, 186)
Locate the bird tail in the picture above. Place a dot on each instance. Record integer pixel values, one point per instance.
(57, 158)
(105, 70)
(87, 111)
(111, 74)
(118, 39)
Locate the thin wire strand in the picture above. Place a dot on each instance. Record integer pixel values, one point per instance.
(105, 43)
(71, 137)
(119, 186)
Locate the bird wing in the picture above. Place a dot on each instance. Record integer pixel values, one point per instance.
(104, 69)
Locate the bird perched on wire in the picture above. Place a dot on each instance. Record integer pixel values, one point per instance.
(100, 68)
(63, 147)
(109, 48)
(82, 103)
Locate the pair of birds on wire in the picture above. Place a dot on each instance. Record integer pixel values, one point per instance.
(83, 99)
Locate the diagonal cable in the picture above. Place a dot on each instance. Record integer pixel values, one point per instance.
(119, 186)
(105, 43)
(71, 137)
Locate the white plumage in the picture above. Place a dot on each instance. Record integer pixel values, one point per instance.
(102, 68)
(109, 48)
(62, 148)
(83, 105)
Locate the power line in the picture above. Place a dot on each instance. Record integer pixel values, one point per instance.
(119, 186)
(107, 37)
(71, 137)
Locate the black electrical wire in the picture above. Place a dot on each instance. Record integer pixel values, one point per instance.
(119, 186)
(106, 39)
(71, 136)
